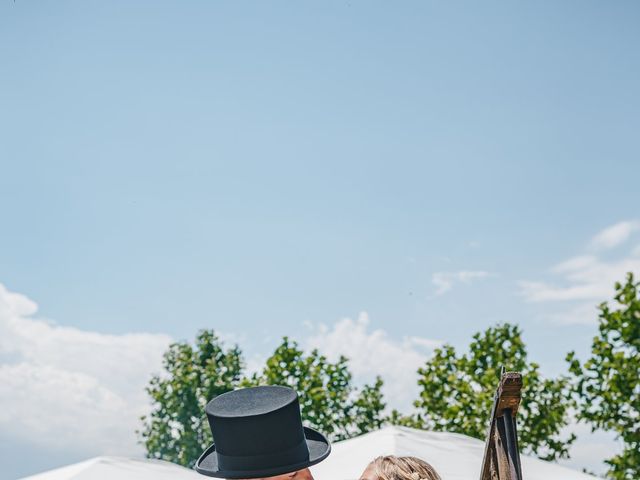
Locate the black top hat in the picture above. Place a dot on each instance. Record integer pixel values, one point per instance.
(258, 433)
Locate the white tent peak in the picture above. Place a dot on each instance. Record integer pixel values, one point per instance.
(122, 468)
(453, 455)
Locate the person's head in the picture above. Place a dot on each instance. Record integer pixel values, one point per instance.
(391, 467)
(304, 474)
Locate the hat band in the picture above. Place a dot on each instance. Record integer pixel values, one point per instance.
(292, 456)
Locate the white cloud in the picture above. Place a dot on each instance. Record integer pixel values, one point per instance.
(590, 448)
(79, 390)
(581, 314)
(83, 391)
(586, 279)
(614, 235)
(374, 352)
(581, 278)
(444, 281)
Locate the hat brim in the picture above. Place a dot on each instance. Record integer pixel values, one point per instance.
(319, 449)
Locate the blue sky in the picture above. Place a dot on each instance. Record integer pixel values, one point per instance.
(265, 168)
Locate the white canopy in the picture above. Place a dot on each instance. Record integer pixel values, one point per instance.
(454, 456)
(117, 468)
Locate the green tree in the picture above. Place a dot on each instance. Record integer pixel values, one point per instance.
(608, 383)
(457, 393)
(328, 400)
(366, 410)
(176, 429)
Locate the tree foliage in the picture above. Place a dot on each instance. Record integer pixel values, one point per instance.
(457, 393)
(176, 429)
(328, 400)
(608, 383)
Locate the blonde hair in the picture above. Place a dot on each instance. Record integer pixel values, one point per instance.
(390, 467)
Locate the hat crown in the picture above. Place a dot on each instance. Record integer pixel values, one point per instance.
(256, 421)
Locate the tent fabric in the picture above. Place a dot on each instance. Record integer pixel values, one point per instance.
(454, 456)
(118, 468)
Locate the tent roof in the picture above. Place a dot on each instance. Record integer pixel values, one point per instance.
(454, 456)
(110, 468)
